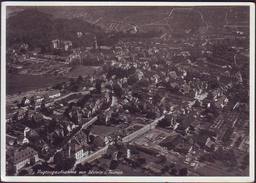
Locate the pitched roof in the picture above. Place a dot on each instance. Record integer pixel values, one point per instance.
(23, 153)
(79, 141)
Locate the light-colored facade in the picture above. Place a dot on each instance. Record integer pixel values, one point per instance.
(21, 164)
(54, 94)
(23, 157)
(81, 154)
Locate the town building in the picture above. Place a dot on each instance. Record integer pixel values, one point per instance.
(61, 44)
(24, 156)
(78, 146)
(67, 45)
(54, 94)
(244, 146)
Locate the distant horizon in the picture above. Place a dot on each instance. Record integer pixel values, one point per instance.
(57, 12)
(128, 91)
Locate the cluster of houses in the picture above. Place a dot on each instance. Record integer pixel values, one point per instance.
(144, 78)
(61, 44)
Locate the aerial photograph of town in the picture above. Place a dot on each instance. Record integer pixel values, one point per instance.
(127, 91)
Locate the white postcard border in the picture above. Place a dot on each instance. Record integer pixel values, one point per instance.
(249, 178)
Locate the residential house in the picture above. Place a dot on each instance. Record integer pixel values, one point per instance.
(173, 74)
(23, 156)
(192, 157)
(11, 140)
(56, 44)
(20, 114)
(176, 143)
(78, 146)
(9, 117)
(39, 99)
(185, 88)
(217, 124)
(221, 101)
(29, 114)
(210, 142)
(244, 146)
(236, 138)
(53, 94)
(153, 167)
(60, 44)
(67, 45)
(27, 101)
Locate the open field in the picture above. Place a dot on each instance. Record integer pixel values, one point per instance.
(81, 70)
(16, 83)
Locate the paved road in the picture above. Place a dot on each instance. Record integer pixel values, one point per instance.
(128, 138)
(72, 93)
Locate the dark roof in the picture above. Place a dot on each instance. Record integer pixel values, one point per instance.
(79, 141)
(80, 137)
(103, 130)
(23, 153)
(99, 142)
(169, 140)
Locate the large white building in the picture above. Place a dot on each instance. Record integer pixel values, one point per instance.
(60, 44)
(78, 146)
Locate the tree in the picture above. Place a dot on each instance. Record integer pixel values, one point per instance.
(98, 85)
(23, 172)
(23, 101)
(43, 107)
(113, 164)
(79, 167)
(58, 158)
(87, 132)
(26, 116)
(166, 168)
(117, 90)
(79, 79)
(245, 162)
(58, 86)
(230, 158)
(32, 102)
(183, 172)
(52, 125)
(173, 172)
(68, 163)
(141, 160)
(164, 122)
(63, 163)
